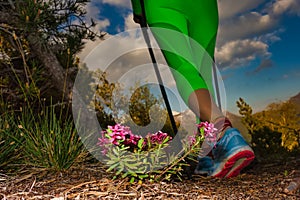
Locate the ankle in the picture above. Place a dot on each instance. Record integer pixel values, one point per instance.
(221, 134)
(221, 124)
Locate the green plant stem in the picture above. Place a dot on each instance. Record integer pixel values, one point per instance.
(176, 162)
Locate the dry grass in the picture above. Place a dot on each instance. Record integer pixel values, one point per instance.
(262, 181)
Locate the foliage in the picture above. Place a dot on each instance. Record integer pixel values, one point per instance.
(284, 118)
(246, 111)
(39, 40)
(140, 109)
(141, 102)
(60, 24)
(145, 109)
(266, 142)
(275, 130)
(104, 103)
(145, 158)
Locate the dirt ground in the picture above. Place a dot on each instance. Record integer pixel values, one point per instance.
(259, 181)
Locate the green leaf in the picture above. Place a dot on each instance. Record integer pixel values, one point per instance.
(131, 166)
(132, 180)
(166, 140)
(143, 176)
(112, 167)
(109, 131)
(116, 150)
(201, 131)
(179, 177)
(111, 162)
(119, 171)
(140, 143)
(125, 175)
(168, 177)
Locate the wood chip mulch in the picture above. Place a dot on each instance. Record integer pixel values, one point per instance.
(260, 181)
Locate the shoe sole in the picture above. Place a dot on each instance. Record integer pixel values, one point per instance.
(201, 172)
(235, 163)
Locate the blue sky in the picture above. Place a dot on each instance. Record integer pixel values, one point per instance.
(257, 49)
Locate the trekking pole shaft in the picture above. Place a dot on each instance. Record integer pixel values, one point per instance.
(144, 28)
(215, 77)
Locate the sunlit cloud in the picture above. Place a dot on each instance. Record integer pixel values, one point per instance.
(240, 52)
(93, 12)
(247, 28)
(119, 3)
(232, 8)
(129, 23)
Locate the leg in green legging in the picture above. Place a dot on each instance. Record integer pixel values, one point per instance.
(190, 53)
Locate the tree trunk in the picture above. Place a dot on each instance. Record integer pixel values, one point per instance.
(58, 75)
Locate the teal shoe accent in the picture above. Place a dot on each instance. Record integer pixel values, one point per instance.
(231, 154)
(205, 166)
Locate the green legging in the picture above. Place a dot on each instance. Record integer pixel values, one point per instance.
(196, 20)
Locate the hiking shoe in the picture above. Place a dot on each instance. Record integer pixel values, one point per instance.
(205, 166)
(231, 154)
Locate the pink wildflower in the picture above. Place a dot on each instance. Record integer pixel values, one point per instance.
(132, 139)
(158, 137)
(118, 133)
(102, 142)
(210, 132)
(122, 135)
(208, 127)
(191, 140)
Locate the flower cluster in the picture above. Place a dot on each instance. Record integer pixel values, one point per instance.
(158, 137)
(117, 140)
(210, 132)
(122, 136)
(205, 130)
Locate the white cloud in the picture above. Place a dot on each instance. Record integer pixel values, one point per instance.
(271, 37)
(246, 29)
(93, 12)
(240, 52)
(129, 23)
(119, 3)
(285, 76)
(231, 8)
(128, 60)
(89, 46)
(243, 38)
(280, 7)
(248, 25)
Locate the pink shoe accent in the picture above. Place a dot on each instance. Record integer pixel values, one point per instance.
(235, 164)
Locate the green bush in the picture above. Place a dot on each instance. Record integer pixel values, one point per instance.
(274, 131)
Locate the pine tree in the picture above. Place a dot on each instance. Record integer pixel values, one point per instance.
(42, 36)
(246, 111)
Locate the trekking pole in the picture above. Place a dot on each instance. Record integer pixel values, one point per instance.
(144, 28)
(215, 77)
